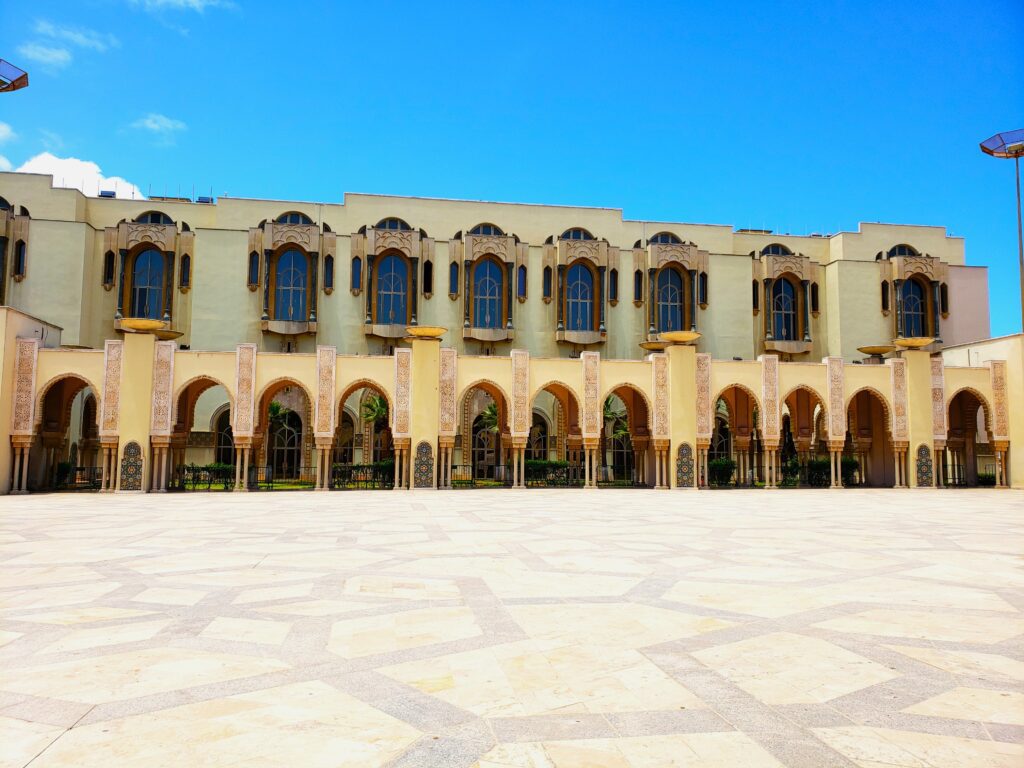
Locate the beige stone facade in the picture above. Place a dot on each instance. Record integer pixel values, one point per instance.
(275, 329)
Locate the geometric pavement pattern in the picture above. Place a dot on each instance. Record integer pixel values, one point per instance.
(514, 628)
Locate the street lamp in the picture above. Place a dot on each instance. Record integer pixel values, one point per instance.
(1011, 144)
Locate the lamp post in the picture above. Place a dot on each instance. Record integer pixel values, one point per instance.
(1011, 144)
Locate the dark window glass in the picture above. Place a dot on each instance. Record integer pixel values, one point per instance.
(186, 271)
(488, 287)
(521, 283)
(885, 296)
(453, 278)
(108, 268)
(290, 287)
(294, 217)
(914, 309)
(4, 205)
(357, 274)
(776, 249)
(392, 291)
(784, 310)
(19, 258)
(329, 273)
(576, 234)
(702, 288)
(579, 299)
(756, 294)
(638, 286)
(547, 282)
(902, 250)
(665, 238)
(670, 300)
(154, 217)
(944, 299)
(814, 297)
(613, 285)
(393, 223)
(486, 230)
(428, 277)
(148, 285)
(254, 268)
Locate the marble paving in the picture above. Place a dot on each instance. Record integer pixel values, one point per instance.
(513, 629)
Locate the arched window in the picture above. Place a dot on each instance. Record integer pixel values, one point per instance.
(546, 287)
(784, 310)
(357, 274)
(393, 223)
(638, 286)
(4, 205)
(944, 299)
(428, 278)
(328, 273)
(392, 304)
(185, 274)
(108, 269)
(488, 294)
(486, 230)
(293, 217)
(671, 299)
(665, 238)
(537, 444)
(902, 250)
(755, 295)
(147, 291)
(225, 451)
(915, 309)
(453, 279)
(254, 270)
(20, 260)
(579, 298)
(576, 233)
(814, 298)
(776, 249)
(154, 217)
(521, 283)
(613, 285)
(885, 295)
(286, 446)
(290, 277)
(702, 289)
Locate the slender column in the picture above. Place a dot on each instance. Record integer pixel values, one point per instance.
(652, 304)
(238, 469)
(24, 469)
(266, 285)
(938, 467)
(602, 286)
(693, 299)
(561, 297)
(767, 309)
(415, 291)
(120, 287)
(936, 310)
(398, 464)
(369, 289)
(103, 468)
(17, 470)
(467, 296)
(510, 268)
(245, 466)
(897, 288)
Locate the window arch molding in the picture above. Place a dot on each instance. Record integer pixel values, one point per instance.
(488, 299)
(146, 280)
(673, 298)
(154, 217)
(915, 307)
(576, 233)
(902, 249)
(392, 300)
(486, 229)
(289, 282)
(293, 217)
(665, 238)
(581, 299)
(786, 315)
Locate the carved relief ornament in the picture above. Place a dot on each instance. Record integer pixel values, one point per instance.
(245, 390)
(659, 372)
(1000, 404)
(324, 413)
(403, 393)
(705, 420)
(23, 407)
(113, 355)
(898, 376)
(521, 414)
(592, 408)
(939, 426)
(406, 242)
(686, 254)
(836, 399)
(447, 422)
(163, 379)
(770, 396)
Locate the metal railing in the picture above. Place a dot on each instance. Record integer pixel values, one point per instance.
(610, 476)
(78, 479)
(477, 476)
(265, 479)
(193, 477)
(552, 475)
(362, 477)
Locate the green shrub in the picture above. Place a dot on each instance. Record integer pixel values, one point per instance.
(819, 473)
(720, 471)
(986, 479)
(791, 473)
(848, 467)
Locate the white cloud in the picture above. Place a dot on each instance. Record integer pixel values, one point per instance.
(83, 175)
(83, 38)
(48, 56)
(5, 164)
(158, 123)
(6, 132)
(182, 5)
(50, 139)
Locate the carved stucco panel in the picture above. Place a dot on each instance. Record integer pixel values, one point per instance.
(836, 399)
(303, 235)
(770, 396)
(938, 399)
(131, 233)
(794, 264)
(705, 420)
(163, 380)
(24, 406)
(113, 356)
(245, 390)
(447, 424)
(592, 409)
(403, 392)
(1001, 406)
(898, 375)
(659, 373)
(499, 246)
(521, 415)
(405, 242)
(324, 416)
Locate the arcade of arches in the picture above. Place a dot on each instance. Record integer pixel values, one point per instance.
(434, 419)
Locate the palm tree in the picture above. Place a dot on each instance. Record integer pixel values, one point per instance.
(375, 409)
(489, 417)
(614, 412)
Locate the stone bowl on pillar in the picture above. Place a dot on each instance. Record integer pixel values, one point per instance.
(679, 337)
(913, 342)
(426, 331)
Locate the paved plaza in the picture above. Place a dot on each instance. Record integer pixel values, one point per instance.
(513, 629)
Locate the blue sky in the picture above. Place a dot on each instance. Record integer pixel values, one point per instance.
(799, 118)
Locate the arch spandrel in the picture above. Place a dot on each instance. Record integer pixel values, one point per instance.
(55, 364)
(192, 366)
(809, 376)
(984, 402)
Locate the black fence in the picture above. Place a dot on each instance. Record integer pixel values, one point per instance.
(554, 474)
(78, 478)
(209, 477)
(481, 476)
(611, 476)
(378, 476)
(297, 479)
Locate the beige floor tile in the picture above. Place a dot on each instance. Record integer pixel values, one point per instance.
(785, 668)
(170, 596)
(247, 630)
(273, 593)
(906, 749)
(84, 615)
(21, 741)
(84, 639)
(391, 632)
(753, 599)
(966, 662)
(928, 625)
(982, 704)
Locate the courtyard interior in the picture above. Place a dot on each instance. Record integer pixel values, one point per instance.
(513, 628)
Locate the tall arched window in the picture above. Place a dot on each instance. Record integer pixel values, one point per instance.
(147, 295)
(328, 274)
(579, 298)
(546, 287)
(453, 279)
(521, 283)
(784, 311)
(185, 272)
(671, 299)
(225, 451)
(392, 300)
(290, 277)
(357, 274)
(286, 446)
(488, 294)
(915, 309)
